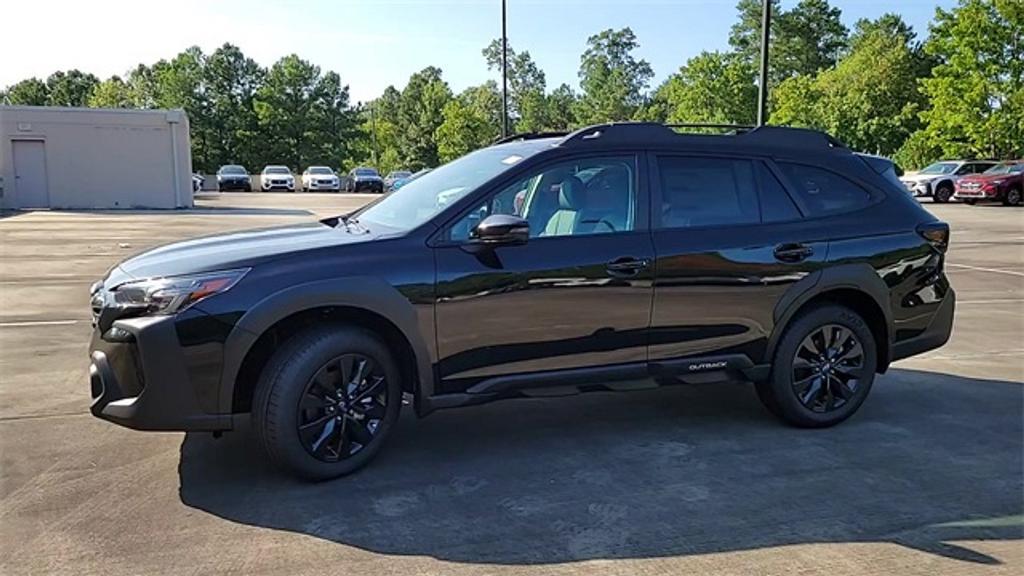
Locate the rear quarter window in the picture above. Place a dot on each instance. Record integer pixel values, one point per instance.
(823, 192)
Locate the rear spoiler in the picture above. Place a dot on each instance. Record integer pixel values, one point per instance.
(880, 163)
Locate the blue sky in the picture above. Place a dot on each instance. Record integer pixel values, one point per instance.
(373, 43)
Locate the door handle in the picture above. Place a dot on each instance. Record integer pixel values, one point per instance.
(626, 266)
(793, 252)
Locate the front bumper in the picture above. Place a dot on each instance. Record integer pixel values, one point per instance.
(919, 189)
(138, 378)
(934, 336)
(368, 185)
(333, 186)
(234, 185)
(288, 186)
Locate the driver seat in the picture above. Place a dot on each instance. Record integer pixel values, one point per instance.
(571, 198)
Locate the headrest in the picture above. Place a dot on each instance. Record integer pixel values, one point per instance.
(570, 194)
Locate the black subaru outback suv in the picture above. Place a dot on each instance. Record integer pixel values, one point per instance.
(618, 252)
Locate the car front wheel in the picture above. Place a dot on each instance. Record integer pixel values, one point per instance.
(943, 193)
(823, 368)
(1013, 197)
(326, 402)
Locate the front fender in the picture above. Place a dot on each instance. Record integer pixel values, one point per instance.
(367, 293)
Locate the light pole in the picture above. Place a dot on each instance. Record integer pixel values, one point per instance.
(504, 73)
(762, 89)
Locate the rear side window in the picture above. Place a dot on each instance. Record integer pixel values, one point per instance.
(823, 192)
(707, 192)
(776, 205)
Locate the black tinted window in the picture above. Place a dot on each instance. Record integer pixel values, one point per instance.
(824, 192)
(776, 205)
(707, 192)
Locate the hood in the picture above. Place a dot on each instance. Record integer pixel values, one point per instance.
(917, 177)
(366, 177)
(237, 249)
(988, 177)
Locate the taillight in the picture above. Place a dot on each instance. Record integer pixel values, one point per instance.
(936, 233)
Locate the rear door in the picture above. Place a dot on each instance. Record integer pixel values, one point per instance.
(729, 242)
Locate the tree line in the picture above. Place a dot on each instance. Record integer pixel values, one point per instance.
(877, 87)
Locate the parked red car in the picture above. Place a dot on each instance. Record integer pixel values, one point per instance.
(1003, 182)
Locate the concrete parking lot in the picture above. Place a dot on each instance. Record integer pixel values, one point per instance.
(927, 479)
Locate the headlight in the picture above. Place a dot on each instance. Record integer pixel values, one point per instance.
(996, 182)
(175, 293)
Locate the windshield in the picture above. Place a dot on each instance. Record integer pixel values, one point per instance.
(421, 198)
(276, 170)
(320, 170)
(1006, 169)
(365, 172)
(232, 170)
(940, 168)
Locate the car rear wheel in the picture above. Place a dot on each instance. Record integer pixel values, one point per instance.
(1013, 197)
(326, 402)
(943, 193)
(823, 368)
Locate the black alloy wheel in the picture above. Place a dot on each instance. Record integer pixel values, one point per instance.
(822, 368)
(943, 193)
(827, 368)
(342, 407)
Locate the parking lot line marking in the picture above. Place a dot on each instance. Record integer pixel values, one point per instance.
(991, 301)
(37, 323)
(993, 270)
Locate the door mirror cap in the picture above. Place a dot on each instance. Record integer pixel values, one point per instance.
(501, 230)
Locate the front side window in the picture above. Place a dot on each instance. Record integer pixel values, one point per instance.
(824, 192)
(699, 192)
(426, 196)
(939, 168)
(573, 198)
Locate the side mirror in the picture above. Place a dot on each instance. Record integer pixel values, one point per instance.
(501, 230)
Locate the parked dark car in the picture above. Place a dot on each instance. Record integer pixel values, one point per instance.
(1002, 183)
(364, 180)
(233, 177)
(773, 255)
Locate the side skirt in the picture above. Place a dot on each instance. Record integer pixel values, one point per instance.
(619, 377)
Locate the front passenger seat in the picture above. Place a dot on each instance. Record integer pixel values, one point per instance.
(570, 202)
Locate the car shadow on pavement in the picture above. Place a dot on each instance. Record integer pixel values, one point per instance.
(930, 460)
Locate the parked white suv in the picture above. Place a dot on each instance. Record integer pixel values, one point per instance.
(277, 178)
(937, 181)
(320, 178)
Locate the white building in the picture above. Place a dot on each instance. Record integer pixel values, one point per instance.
(94, 158)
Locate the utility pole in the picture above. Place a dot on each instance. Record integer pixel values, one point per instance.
(504, 73)
(373, 128)
(762, 89)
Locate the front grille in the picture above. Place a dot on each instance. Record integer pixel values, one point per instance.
(970, 186)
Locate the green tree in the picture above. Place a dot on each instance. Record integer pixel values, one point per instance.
(614, 82)
(71, 88)
(30, 92)
(231, 81)
(805, 39)
(713, 87)
(111, 93)
(420, 113)
(335, 122)
(472, 120)
(526, 87)
(870, 100)
(285, 105)
(977, 89)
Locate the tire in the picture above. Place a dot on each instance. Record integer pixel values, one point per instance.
(943, 193)
(309, 368)
(1012, 197)
(825, 402)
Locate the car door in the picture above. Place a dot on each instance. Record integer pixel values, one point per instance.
(729, 243)
(577, 294)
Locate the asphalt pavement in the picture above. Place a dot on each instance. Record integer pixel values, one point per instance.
(927, 478)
